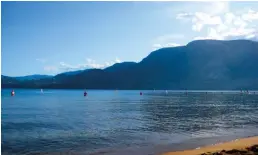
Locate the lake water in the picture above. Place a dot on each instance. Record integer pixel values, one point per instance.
(122, 122)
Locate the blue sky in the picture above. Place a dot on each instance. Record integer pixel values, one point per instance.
(53, 37)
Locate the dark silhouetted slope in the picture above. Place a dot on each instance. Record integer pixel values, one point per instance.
(32, 77)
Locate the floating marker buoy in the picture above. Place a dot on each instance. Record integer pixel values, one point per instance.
(12, 93)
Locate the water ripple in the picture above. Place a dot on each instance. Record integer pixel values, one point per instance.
(65, 121)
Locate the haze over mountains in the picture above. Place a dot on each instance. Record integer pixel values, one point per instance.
(201, 64)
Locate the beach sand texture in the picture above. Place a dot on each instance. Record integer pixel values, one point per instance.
(245, 146)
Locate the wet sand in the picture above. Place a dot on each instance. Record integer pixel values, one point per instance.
(245, 146)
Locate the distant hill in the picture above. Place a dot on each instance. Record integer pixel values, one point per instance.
(32, 77)
(72, 72)
(120, 66)
(201, 64)
(9, 82)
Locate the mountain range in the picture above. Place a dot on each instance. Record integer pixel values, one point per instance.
(199, 65)
(32, 77)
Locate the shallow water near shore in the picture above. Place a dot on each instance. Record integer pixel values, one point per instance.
(123, 122)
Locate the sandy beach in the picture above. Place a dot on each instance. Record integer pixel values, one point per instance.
(248, 146)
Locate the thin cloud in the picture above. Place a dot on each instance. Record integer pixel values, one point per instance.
(50, 68)
(118, 60)
(167, 37)
(166, 41)
(219, 7)
(89, 64)
(184, 15)
(159, 46)
(212, 8)
(41, 60)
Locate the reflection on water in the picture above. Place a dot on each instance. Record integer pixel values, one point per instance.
(198, 112)
(64, 120)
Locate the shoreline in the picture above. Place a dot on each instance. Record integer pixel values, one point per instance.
(237, 144)
(174, 147)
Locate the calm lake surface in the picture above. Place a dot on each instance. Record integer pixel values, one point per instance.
(120, 122)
